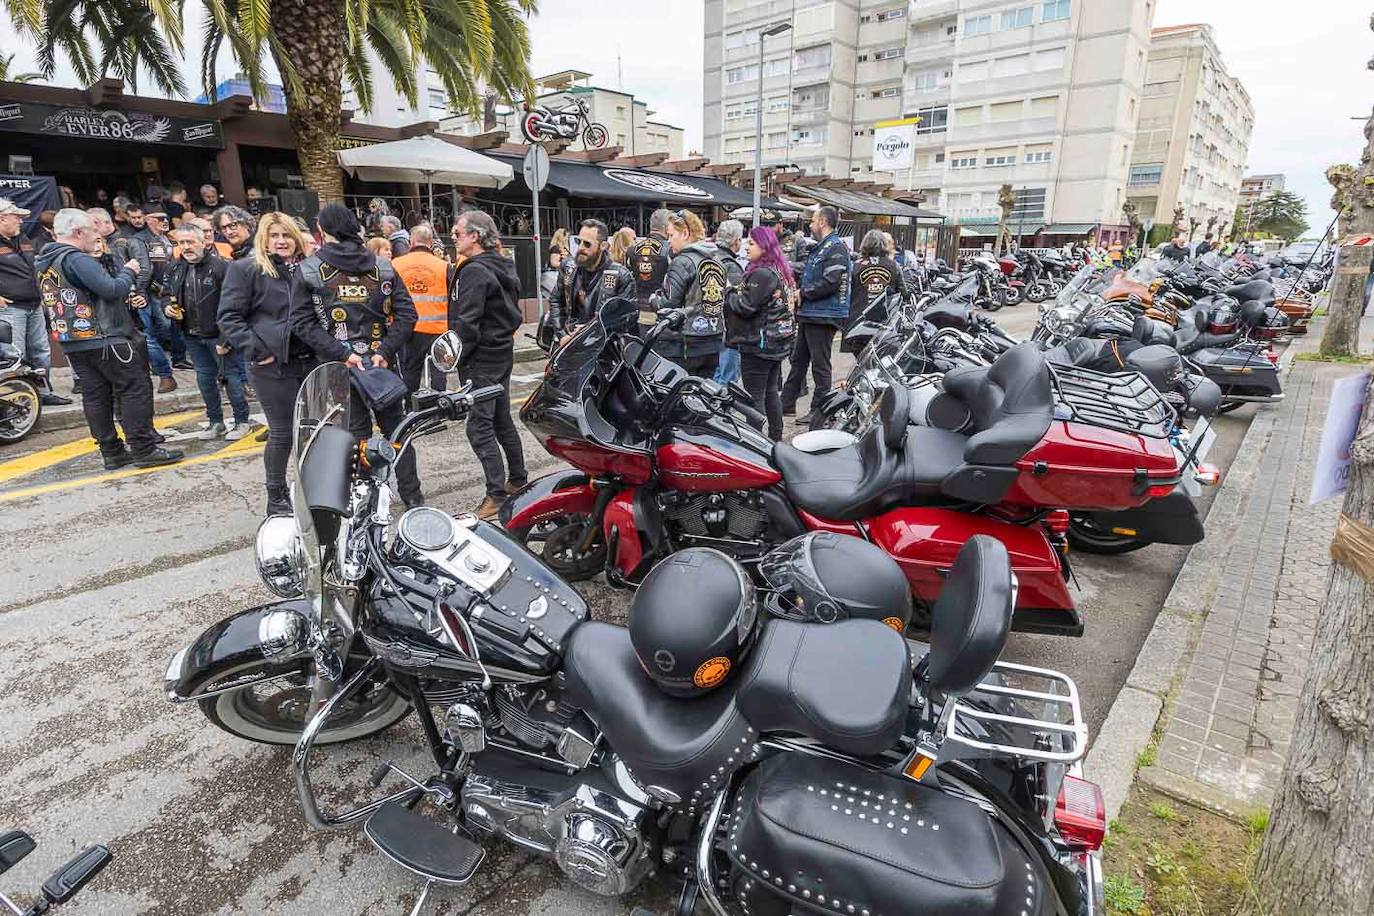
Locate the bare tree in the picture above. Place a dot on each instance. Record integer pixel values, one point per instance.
(1178, 219)
(1006, 202)
(1192, 227)
(1132, 214)
(1353, 201)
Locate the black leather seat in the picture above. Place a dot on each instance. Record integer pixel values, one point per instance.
(838, 838)
(847, 684)
(1252, 291)
(931, 454)
(687, 747)
(1011, 402)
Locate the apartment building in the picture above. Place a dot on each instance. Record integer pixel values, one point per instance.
(1255, 187)
(629, 121)
(1038, 94)
(1194, 133)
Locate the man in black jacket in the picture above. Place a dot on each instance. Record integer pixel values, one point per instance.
(193, 288)
(648, 261)
(487, 293)
(19, 296)
(102, 340)
(588, 279)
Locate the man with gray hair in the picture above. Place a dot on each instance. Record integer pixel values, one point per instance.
(19, 296)
(102, 340)
(235, 224)
(486, 297)
(728, 235)
(395, 233)
(648, 261)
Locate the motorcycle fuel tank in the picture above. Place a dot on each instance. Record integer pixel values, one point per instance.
(700, 460)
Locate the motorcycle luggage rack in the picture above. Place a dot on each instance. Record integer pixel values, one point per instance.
(1061, 737)
(1124, 401)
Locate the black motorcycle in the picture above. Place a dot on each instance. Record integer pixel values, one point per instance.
(62, 885)
(935, 775)
(21, 390)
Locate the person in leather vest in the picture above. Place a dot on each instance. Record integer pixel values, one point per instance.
(193, 290)
(696, 281)
(760, 325)
(648, 260)
(166, 349)
(428, 278)
(728, 235)
(824, 308)
(348, 305)
(19, 303)
(102, 340)
(875, 275)
(588, 279)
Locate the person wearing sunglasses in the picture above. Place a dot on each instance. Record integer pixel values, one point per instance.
(587, 279)
(166, 346)
(236, 225)
(696, 282)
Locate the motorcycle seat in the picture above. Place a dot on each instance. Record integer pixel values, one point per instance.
(839, 838)
(1011, 404)
(1250, 290)
(686, 747)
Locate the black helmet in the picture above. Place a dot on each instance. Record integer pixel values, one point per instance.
(823, 577)
(693, 621)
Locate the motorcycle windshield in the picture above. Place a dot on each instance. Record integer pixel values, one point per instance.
(964, 292)
(324, 401)
(572, 364)
(1076, 285)
(1144, 271)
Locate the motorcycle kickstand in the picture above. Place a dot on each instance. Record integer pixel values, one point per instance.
(424, 896)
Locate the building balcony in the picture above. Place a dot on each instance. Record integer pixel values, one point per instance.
(879, 71)
(805, 117)
(925, 10)
(801, 76)
(914, 100)
(998, 131)
(929, 53)
(1023, 83)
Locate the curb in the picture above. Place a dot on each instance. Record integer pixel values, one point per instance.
(1130, 724)
(72, 417)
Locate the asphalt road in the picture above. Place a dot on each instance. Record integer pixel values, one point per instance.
(108, 575)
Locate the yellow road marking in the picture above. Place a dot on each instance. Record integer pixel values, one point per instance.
(28, 464)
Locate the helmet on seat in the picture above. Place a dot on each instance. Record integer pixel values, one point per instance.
(693, 621)
(822, 577)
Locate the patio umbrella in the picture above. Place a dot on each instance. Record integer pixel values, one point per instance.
(427, 158)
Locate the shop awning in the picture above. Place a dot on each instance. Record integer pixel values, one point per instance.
(862, 202)
(982, 230)
(599, 181)
(425, 159)
(1070, 228)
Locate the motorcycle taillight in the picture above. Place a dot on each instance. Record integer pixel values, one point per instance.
(1058, 522)
(1159, 490)
(1273, 357)
(1080, 814)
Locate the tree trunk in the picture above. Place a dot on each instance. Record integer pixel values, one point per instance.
(1315, 858)
(311, 36)
(1341, 336)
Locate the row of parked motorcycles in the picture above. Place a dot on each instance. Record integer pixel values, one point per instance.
(860, 747)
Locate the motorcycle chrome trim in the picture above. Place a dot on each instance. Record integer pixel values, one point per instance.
(706, 845)
(300, 762)
(464, 724)
(469, 559)
(1253, 398)
(576, 748)
(1076, 728)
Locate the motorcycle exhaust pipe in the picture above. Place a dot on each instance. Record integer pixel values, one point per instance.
(1255, 398)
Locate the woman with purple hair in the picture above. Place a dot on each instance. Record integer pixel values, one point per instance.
(759, 323)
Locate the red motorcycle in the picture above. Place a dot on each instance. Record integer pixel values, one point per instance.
(662, 461)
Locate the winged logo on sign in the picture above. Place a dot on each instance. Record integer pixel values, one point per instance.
(157, 130)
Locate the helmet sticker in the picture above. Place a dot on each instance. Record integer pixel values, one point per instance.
(895, 623)
(665, 661)
(712, 672)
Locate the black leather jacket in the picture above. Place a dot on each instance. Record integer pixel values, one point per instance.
(198, 299)
(579, 294)
(255, 313)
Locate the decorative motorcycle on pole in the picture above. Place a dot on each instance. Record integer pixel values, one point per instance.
(542, 123)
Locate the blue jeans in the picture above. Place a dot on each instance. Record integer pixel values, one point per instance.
(30, 335)
(158, 333)
(209, 367)
(728, 369)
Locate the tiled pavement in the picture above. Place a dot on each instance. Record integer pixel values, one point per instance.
(1227, 733)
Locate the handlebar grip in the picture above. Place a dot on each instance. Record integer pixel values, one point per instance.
(486, 393)
(750, 413)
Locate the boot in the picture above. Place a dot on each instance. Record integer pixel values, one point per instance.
(114, 460)
(489, 509)
(167, 385)
(158, 457)
(278, 500)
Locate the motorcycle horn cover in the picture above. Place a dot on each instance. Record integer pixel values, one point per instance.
(823, 577)
(692, 621)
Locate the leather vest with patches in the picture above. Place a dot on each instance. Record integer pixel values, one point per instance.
(355, 308)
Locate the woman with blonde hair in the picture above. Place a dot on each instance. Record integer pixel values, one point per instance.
(621, 242)
(381, 248)
(254, 316)
(696, 282)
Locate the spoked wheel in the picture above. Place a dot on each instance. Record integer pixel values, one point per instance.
(1037, 293)
(276, 712)
(532, 126)
(1087, 537)
(20, 407)
(1014, 295)
(595, 136)
(995, 302)
(563, 552)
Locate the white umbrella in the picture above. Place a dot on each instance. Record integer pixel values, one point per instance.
(425, 157)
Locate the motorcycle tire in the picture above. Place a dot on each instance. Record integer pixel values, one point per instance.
(560, 552)
(595, 136)
(1036, 294)
(24, 405)
(1089, 539)
(274, 712)
(995, 302)
(531, 125)
(1015, 295)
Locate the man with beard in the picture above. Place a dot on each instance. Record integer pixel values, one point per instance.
(588, 279)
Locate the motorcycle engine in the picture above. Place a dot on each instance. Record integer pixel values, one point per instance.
(738, 515)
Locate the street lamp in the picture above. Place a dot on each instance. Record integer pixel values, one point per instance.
(769, 31)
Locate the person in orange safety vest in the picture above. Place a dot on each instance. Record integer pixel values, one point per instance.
(429, 278)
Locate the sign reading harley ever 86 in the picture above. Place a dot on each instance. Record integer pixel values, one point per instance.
(109, 124)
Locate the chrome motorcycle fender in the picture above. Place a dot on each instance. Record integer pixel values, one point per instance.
(252, 646)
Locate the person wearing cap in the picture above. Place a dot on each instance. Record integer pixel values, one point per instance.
(19, 296)
(102, 340)
(166, 347)
(349, 305)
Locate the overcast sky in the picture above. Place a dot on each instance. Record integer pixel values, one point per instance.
(1304, 66)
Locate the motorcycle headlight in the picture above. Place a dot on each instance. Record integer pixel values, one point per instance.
(280, 556)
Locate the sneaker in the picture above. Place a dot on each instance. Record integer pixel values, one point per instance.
(50, 399)
(238, 431)
(213, 431)
(183, 363)
(166, 384)
(120, 459)
(488, 510)
(158, 457)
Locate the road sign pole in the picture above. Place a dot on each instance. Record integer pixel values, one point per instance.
(536, 171)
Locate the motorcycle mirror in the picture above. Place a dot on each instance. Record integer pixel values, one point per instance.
(446, 351)
(16, 844)
(70, 878)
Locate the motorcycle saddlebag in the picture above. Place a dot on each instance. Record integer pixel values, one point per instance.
(1171, 519)
(811, 835)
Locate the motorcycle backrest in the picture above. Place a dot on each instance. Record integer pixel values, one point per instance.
(971, 618)
(894, 413)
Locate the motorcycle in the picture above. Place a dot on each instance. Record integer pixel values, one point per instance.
(663, 461)
(62, 885)
(21, 390)
(541, 123)
(552, 737)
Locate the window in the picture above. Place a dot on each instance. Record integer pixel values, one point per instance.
(927, 80)
(1044, 107)
(977, 25)
(741, 39)
(968, 117)
(778, 67)
(804, 135)
(811, 98)
(1000, 158)
(1145, 174)
(778, 103)
(818, 56)
(438, 98)
(964, 161)
(974, 71)
(620, 111)
(1007, 111)
(1034, 156)
(889, 92)
(1054, 10)
(933, 120)
(889, 15)
(939, 157)
(887, 54)
(1016, 19)
(742, 74)
(1030, 204)
(1015, 65)
(778, 139)
(620, 140)
(1053, 59)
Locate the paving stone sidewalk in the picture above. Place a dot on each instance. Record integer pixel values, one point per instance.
(1228, 730)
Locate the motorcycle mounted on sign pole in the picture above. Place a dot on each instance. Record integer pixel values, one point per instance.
(547, 729)
(543, 123)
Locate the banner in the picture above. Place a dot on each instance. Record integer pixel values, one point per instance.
(109, 124)
(34, 193)
(892, 147)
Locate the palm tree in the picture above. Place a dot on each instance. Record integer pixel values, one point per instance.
(475, 46)
(7, 61)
